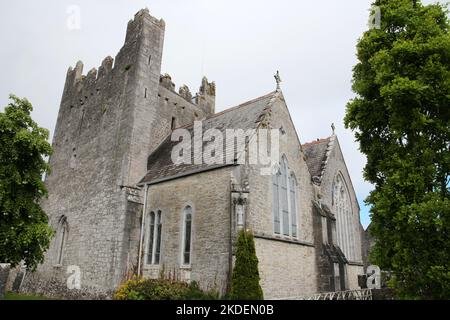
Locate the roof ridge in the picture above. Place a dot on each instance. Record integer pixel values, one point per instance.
(241, 105)
(263, 116)
(320, 140)
(231, 109)
(330, 146)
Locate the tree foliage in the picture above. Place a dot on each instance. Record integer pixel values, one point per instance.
(245, 279)
(400, 117)
(24, 230)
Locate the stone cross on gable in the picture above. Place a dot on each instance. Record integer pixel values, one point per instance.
(277, 79)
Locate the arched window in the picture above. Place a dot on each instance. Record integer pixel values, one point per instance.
(344, 217)
(284, 201)
(153, 248)
(61, 239)
(187, 232)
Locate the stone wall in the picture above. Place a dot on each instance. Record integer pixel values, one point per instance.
(208, 193)
(4, 275)
(286, 269)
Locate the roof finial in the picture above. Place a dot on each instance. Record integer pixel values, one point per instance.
(333, 128)
(278, 79)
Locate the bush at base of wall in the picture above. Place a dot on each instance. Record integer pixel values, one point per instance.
(162, 289)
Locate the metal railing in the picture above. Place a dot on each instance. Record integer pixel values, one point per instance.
(362, 294)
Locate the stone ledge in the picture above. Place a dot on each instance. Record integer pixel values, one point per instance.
(355, 263)
(280, 239)
(4, 274)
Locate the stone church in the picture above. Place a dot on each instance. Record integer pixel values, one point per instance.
(120, 206)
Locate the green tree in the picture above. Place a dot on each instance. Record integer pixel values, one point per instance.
(400, 117)
(24, 230)
(245, 280)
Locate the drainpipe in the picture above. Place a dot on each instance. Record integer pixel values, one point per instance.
(144, 210)
(230, 244)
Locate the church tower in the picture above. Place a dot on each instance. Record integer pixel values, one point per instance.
(102, 139)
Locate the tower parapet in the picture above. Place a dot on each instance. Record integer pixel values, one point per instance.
(206, 96)
(185, 93)
(166, 81)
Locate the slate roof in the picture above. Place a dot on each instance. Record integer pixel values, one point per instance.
(316, 156)
(244, 116)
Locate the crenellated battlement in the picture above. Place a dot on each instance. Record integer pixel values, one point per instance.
(141, 31)
(106, 67)
(142, 16)
(204, 98)
(77, 82)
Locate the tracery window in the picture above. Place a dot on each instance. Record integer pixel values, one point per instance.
(284, 201)
(344, 218)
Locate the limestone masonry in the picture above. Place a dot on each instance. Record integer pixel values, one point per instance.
(120, 206)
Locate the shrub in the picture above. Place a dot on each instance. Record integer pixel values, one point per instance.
(195, 293)
(161, 289)
(245, 280)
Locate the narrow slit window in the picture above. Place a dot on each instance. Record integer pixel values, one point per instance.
(293, 201)
(151, 233)
(62, 237)
(187, 236)
(284, 199)
(276, 203)
(158, 238)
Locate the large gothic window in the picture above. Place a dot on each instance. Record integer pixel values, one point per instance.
(344, 218)
(284, 201)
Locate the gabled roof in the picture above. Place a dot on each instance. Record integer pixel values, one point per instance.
(244, 116)
(316, 153)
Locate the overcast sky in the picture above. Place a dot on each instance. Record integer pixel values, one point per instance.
(238, 44)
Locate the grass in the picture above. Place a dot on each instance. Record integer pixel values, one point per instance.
(17, 296)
